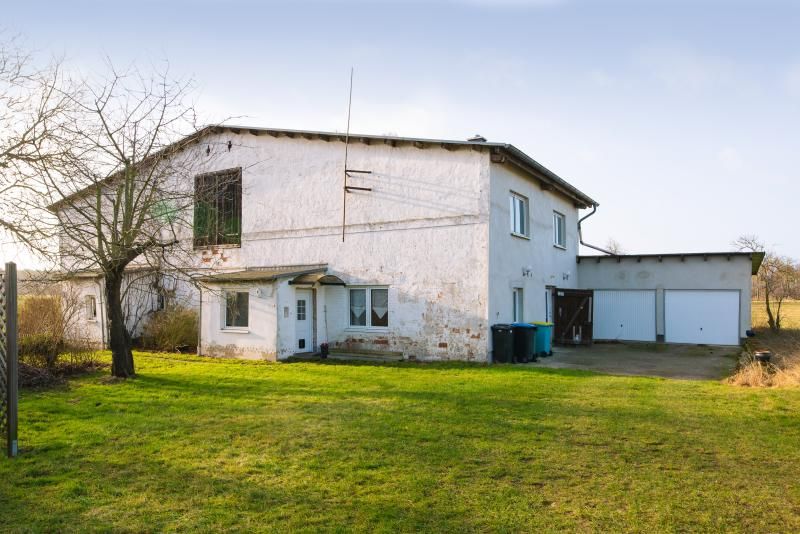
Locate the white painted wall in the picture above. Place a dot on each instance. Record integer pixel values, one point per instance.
(422, 231)
(509, 254)
(715, 272)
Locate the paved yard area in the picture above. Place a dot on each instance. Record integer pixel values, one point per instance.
(647, 359)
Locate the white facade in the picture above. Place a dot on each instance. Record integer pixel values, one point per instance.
(449, 238)
(707, 273)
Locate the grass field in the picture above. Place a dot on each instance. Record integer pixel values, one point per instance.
(790, 311)
(193, 444)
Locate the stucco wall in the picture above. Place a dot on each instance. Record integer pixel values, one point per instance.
(509, 254)
(257, 341)
(715, 272)
(422, 231)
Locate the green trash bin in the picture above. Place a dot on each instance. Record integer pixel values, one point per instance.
(524, 342)
(502, 343)
(544, 338)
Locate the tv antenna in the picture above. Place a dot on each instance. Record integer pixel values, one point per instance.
(347, 171)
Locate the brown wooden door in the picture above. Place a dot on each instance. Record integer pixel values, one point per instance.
(573, 316)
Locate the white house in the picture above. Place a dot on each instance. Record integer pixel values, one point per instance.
(432, 242)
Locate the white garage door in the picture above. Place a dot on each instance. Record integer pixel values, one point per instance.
(625, 315)
(708, 317)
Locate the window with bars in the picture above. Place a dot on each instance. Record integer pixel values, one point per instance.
(218, 208)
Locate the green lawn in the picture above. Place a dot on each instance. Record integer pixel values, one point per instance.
(193, 444)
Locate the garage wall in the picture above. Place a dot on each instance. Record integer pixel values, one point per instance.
(693, 272)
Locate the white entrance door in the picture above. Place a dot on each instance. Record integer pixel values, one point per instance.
(628, 315)
(303, 321)
(706, 317)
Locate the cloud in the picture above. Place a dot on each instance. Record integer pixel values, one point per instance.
(686, 70)
(730, 159)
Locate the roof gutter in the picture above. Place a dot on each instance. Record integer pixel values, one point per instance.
(580, 233)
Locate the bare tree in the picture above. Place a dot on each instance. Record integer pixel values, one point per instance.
(120, 190)
(778, 278)
(32, 101)
(614, 246)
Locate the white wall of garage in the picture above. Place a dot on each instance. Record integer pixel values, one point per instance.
(711, 272)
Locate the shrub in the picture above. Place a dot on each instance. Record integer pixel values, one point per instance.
(173, 329)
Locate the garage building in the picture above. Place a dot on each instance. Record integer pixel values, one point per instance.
(699, 298)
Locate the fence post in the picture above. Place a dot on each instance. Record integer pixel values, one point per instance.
(12, 368)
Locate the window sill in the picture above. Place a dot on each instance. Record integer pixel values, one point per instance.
(559, 247)
(521, 236)
(209, 247)
(367, 329)
(235, 330)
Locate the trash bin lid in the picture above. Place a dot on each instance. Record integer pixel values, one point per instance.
(542, 323)
(523, 325)
(502, 326)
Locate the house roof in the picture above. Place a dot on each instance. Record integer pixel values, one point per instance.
(500, 153)
(755, 257)
(262, 274)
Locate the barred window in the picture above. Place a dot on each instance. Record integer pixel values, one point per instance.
(218, 208)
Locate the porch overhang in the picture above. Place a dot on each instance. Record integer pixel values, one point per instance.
(317, 278)
(263, 274)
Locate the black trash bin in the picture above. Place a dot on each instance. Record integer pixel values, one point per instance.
(502, 343)
(524, 342)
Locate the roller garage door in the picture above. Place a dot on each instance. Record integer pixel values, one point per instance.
(701, 316)
(625, 315)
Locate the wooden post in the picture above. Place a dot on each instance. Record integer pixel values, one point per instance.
(11, 355)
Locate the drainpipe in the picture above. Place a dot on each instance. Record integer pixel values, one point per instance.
(200, 323)
(580, 234)
(102, 314)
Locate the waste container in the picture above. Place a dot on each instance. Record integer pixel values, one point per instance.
(524, 342)
(544, 339)
(502, 343)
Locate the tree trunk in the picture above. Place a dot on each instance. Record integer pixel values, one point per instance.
(118, 338)
(770, 317)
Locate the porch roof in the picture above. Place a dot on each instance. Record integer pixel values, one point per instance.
(262, 274)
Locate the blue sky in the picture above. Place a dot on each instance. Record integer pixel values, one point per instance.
(682, 119)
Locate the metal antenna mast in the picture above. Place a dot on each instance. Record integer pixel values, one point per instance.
(348, 188)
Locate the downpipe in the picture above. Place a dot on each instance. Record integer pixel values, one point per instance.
(580, 234)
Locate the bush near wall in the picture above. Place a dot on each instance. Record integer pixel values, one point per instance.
(172, 330)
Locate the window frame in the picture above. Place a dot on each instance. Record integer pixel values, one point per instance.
(525, 220)
(368, 308)
(218, 237)
(91, 316)
(224, 310)
(558, 216)
(517, 304)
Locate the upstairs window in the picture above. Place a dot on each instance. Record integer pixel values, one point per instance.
(369, 307)
(559, 230)
(218, 208)
(519, 215)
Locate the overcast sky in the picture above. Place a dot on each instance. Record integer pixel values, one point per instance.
(682, 119)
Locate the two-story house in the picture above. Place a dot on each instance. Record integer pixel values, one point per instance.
(427, 244)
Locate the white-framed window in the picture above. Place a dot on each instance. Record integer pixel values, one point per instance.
(559, 230)
(90, 302)
(236, 312)
(518, 211)
(518, 305)
(369, 307)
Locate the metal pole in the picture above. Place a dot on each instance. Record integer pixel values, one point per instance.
(11, 354)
